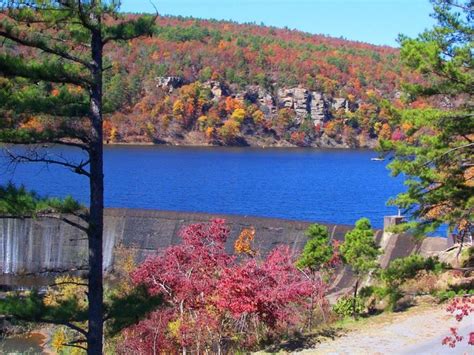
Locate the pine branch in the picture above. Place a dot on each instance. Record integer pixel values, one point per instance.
(129, 30)
(70, 144)
(45, 48)
(68, 136)
(52, 106)
(82, 14)
(74, 345)
(49, 71)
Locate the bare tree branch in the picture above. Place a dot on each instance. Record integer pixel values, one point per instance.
(78, 168)
(55, 322)
(65, 220)
(449, 151)
(68, 283)
(74, 343)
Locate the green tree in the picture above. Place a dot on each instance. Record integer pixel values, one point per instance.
(52, 68)
(437, 155)
(318, 250)
(116, 93)
(205, 74)
(19, 202)
(360, 252)
(316, 260)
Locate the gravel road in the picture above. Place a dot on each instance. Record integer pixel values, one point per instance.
(416, 331)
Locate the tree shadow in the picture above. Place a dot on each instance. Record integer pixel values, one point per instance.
(298, 342)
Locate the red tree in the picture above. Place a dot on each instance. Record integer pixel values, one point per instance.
(186, 276)
(270, 293)
(460, 307)
(215, 302)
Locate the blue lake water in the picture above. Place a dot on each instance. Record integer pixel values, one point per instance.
(337, 186)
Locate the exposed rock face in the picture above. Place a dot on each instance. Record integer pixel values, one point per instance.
(339, 103)
(305, 103)
(319, 108)
(266, 101)
(169, 83)
(301, 103)
(297, 99)
(261, 97)
(217, 88)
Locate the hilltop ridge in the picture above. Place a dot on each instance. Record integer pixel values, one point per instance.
(201, 82)
(207, 82)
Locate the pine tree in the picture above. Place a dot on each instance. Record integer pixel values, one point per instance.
(437, 155)
(51, 67)
(360, 252)
(318, 250)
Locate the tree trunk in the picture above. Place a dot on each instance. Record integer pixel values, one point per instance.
(354, 300)
(311, 311)
(96, 218)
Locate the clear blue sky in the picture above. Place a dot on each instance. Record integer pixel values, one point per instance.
(373, 21)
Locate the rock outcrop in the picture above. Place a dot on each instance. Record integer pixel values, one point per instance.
(169, 83)
(305, 103)
(218, 89)
(339, 103)
(319, 108)
(311, 110)
(262, 98)
(308, 104)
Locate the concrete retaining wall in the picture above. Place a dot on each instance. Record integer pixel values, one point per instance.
(36, 246)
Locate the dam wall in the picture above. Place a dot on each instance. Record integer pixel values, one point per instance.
(44, 245)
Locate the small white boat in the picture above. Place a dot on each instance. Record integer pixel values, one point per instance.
(377, 159)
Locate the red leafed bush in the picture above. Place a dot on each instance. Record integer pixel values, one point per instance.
(460, 307)
(214, 302)
(268, 290)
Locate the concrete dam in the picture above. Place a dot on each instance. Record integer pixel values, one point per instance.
(32, 246)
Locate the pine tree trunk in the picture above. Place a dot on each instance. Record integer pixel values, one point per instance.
(354, 300)
(96, 219)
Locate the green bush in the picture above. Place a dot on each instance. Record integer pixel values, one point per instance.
(343, 306)
(403, 269)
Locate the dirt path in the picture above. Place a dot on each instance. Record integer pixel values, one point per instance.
(417, 331)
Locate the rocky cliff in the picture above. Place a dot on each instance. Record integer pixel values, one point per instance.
(305, 104)
(216, 113)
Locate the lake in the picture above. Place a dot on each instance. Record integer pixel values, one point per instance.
(337, 186)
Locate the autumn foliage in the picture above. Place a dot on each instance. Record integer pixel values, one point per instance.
(460, 307)
(216, 302)
(217, 64)
(243, 244)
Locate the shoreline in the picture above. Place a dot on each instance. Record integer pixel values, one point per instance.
(249, 147)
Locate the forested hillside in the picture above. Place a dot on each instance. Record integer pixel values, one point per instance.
(211, 82)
